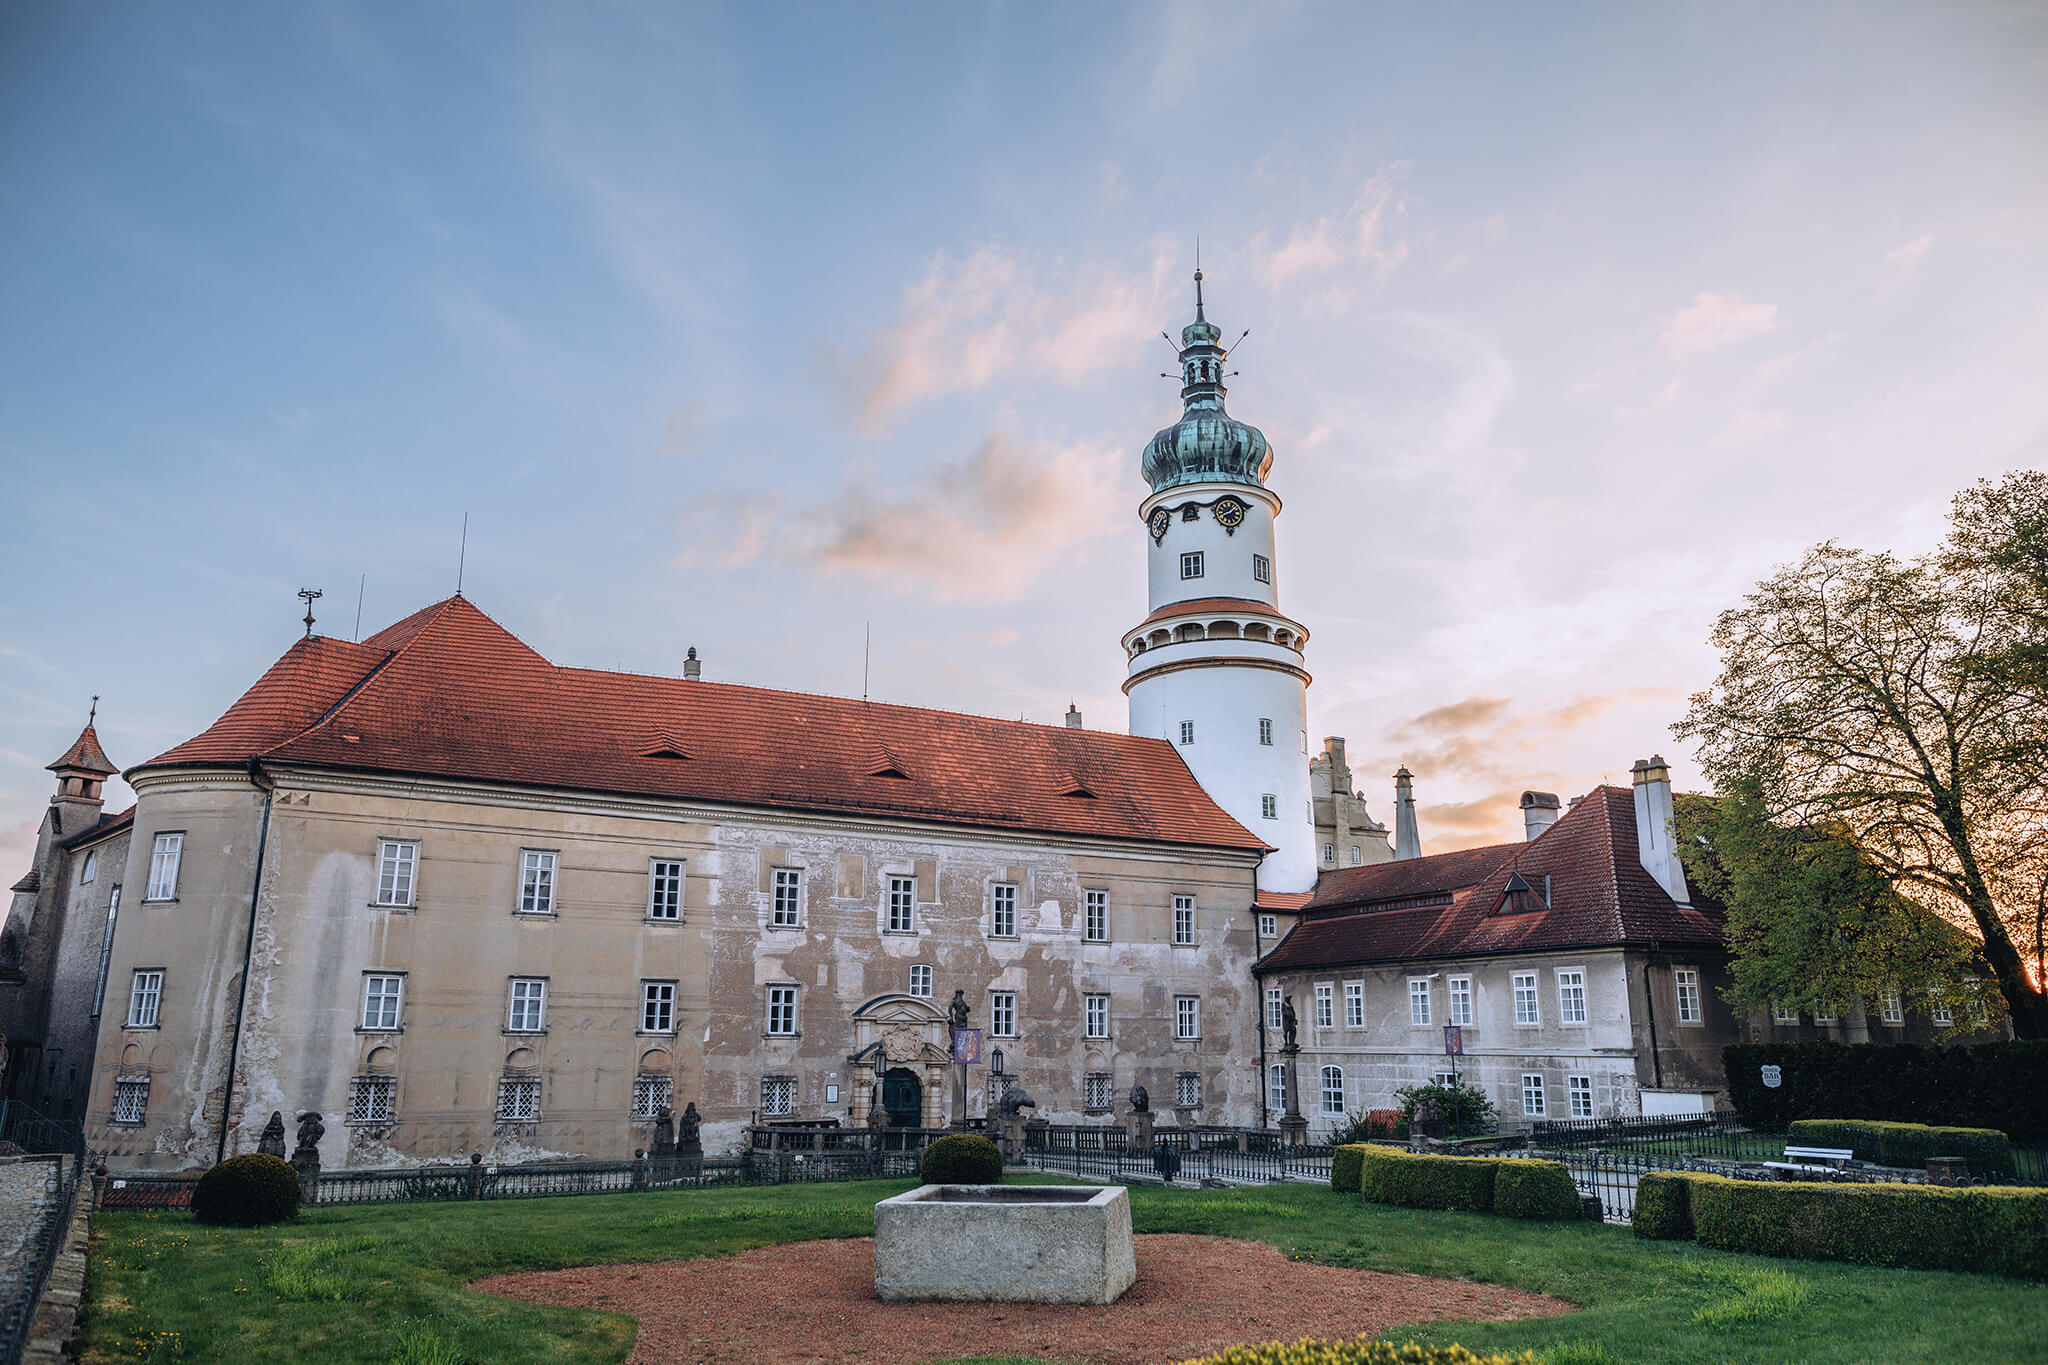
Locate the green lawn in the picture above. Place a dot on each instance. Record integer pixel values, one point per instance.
(384, 1282)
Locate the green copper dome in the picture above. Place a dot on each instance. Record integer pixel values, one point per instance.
(1207, 445)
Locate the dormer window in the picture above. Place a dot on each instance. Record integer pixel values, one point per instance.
(1520, 895)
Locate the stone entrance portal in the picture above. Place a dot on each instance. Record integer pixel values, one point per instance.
(902, 1098)
(899, 1062)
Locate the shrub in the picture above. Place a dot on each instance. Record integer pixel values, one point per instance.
(1663, 1209)
(1535, 1189)
(247, 1191)
(2002, 1086)
(1373, 1123)
(962, 1159)
(1464, 1106)
(1906, 1144)
(1391, 1176)
(1309, 1351)
(1346, 1164)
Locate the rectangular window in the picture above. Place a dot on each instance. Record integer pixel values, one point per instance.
(1269, 926)
(372, 1099)
(1354, 1004)
(519, 1099)
(665, 888)
(1097, 1010)
(921, 980)
(528, 1011)
(1688, 995)
(1325, 1009)
(902, 905)
(1329, 853)
(380, 1001)
(782, 1010)
(1526, 1009)
(1262, 569)
(657, 1006)
(1782, 1013)
(131, 1099)
(1273, 1007)
(163, 866)
(1002, 1014)
(1579, 1091)
(1894, 1008)
(788, 908)
(1940, 1013)
(396, 860)
(1187, 1016)
(1571, 996)
(1276, 1087)
(1447, 1079)
(1187, 1090)
(1823, 1011)
(651, 1095)
(536, 882)
(99, 988)
(1265, 730)
(1269, 806)
(1461, 1001)
(778, 1095)
(1095, 1090)
(1003, 920)
(1418, 1002)
(1187, 732)
(1096, 917)
(144, 998)
(1183, 919)
(1333, 1091)
(1532, 1095)
(90, 869)
(1191, 564)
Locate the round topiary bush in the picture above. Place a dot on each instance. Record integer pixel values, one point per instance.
(963, 1159)
(247, 1191)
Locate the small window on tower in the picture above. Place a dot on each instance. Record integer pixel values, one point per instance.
(1269, 806)
(1265, 731)
(1262, 568)
(1187, 732)
(1191, 564)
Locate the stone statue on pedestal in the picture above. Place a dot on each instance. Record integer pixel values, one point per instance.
(664, 1133)
(687, 1141)
(272, 1141)
(1288, 1023)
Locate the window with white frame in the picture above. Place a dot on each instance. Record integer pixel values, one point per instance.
(1527, 1010)
(163, 866)
(657, 1007)
(372, 1099)
(1269, 806)
(1329, 853)
(1579, 1092)
(536, 882)
(1265, 730)
(1187, 732)
(528, 1010)
(396, 860)
(1095, 916)
(902, 905)
(1333, 1090)
(380, 1000)
(786, 912)
(1354, 1004)
(145, 997)
(1571, 996)
(1191, 564)
(1939, 1012)
(1269, 926)
(1273, 1007)
(1782, 1013)
(651, 1095)
(1187, 1016)
(921, 980)
(1262, 569)
(1532, 1095)
(1823, 1011)
(519, 1099)
(1095, 1092)
(1095, 1008)
(1892, 1006)
(1357, 856)
(1418, 1002)
(1187, 1090)
(782, 1010)
(665, 888)
(1183, 920)
(90, 867)
(1325, 1009)
(778, 1095)
(1688, 979)
(1002, 1014)
(1003, 915)
(1461, 1001)
(1276, 1087)
(131, 1099)
(1447, 1079)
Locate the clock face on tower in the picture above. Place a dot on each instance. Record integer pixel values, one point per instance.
(1230, 514)
(1159, 521)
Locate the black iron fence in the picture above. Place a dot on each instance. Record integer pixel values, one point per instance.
(38, 1255)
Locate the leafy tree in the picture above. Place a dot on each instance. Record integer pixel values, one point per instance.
(1898, 705)
(1465, 1107)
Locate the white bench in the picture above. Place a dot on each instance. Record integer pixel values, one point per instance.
(1813, 1159)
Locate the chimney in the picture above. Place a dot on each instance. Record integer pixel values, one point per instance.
(1340, 771)
(1539, 812)
(691, 668)
(1653, 827)
(1407, 843)
(1073, 716)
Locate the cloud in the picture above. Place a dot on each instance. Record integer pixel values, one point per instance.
(1748, 424)
(1372, 231)
(1458, 715)
(1912, 251)
(1712, 321)
(981, 529)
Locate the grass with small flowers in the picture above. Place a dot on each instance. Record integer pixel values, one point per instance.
(386, 1282)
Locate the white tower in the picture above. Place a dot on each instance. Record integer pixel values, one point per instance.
(1215, 669)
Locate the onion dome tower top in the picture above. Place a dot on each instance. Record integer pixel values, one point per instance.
(1207, 445)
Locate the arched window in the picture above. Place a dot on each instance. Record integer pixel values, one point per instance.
(1333, 1090)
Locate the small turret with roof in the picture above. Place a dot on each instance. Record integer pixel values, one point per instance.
(84, 767)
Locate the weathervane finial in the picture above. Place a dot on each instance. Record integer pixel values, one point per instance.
(93, 714)
(309, 594)
(1198, 280)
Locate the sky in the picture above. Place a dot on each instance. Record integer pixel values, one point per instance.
(759, 329)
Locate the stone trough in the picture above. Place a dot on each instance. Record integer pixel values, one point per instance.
(1005, 1244)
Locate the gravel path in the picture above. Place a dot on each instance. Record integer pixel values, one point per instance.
(814, 1302)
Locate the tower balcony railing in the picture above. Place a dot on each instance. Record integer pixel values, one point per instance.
(1156, 656)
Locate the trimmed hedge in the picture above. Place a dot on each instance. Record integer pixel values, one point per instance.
(2001, 1086)
(247, 1191)
(1415, 1181)
(1309, 1351)
(1906, 1144)
(1346, 1163)
(2000, 1230)
(962, 1159)
(1663, 1209)
(1535, 1189)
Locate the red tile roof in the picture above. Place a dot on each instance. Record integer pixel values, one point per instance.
(448, 692)
(1446, 905)
(1283, 900)
(86, 755)
(1205, 606)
